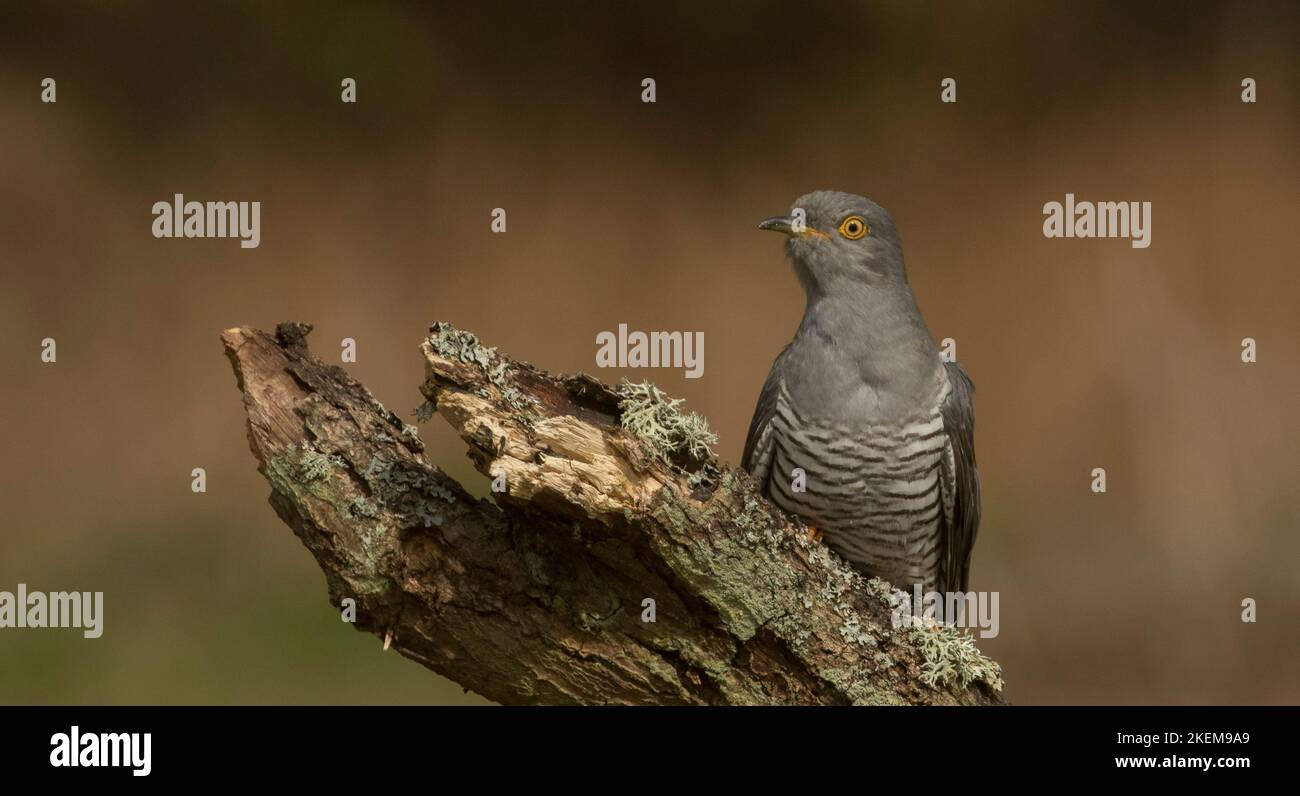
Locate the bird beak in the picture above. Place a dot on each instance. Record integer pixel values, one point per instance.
(782, 224)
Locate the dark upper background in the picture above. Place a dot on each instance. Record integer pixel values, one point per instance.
(375, 222)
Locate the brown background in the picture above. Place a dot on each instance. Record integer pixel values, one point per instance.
(375, 221)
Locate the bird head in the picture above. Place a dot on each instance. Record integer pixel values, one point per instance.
(836, 238)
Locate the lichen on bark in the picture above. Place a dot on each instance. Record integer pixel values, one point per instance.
(536, 595)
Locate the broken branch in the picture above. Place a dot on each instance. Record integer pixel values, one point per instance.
(618, 562)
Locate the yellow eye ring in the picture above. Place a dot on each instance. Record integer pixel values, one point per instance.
(853, 227)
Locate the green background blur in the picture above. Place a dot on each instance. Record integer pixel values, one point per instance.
(375, 222)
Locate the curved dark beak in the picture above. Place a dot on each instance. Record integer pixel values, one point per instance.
(782, 224)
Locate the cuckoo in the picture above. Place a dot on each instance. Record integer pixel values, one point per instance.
(862, 429)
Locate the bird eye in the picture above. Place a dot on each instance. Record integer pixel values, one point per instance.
(853, 227)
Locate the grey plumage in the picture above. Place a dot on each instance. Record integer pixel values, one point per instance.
(862, 403)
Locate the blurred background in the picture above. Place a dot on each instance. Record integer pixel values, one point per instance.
(375, 222)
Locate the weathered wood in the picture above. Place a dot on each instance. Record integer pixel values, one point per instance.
(540, 596)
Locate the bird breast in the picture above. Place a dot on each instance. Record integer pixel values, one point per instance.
(873, 489)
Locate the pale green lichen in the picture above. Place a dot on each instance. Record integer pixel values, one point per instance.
(410, 432)
(949, 657)
(782, 602)
(756, 527)
(302, 469)
(457, 344)
(884, 591)
(851, 629)
(408, 490)
(371, 539)
(650, 414)
(703, 477)
(383, 422)
(282, 472)
(360, 507)
(833, 588)
(314, 465)
(724, 571)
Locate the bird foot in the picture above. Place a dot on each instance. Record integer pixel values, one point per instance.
(814, 535)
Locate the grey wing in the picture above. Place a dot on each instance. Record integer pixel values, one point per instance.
(961, 482)
(760, 447)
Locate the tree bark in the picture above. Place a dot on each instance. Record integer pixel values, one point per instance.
(545, 594)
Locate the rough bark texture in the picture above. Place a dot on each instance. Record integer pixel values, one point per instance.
(540, 596)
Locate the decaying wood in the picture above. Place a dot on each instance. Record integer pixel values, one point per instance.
(543, 595)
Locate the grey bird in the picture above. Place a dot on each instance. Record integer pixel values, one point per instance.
(861, 429)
